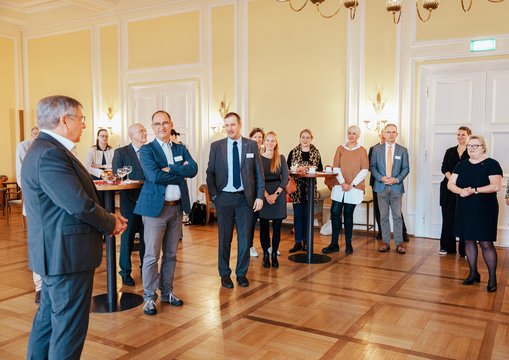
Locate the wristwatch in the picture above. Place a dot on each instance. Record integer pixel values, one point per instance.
(475, 191)
(278, 193)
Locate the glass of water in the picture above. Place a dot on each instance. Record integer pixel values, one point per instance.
(128, 169)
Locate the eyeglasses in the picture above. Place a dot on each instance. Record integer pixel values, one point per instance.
(158, 124)
(83, 118)
(473, 146)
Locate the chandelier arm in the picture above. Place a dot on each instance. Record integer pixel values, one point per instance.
(419, 13)
(394, 19)
(469, 6)
(352, 13)
(296, 9)
(333, 14)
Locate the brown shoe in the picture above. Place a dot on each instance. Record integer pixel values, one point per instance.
(384, 248)
(400, 249)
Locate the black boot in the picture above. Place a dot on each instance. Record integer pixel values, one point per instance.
(349, 248)
(296, 247)
(304, 245)
(331, 248)
(266, 261)
(275, 262)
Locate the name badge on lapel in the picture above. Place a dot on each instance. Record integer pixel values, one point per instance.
(397, 157)
(249, 155)
(177, 158)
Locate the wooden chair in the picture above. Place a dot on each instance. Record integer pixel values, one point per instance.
(211, 210)
(13, 197)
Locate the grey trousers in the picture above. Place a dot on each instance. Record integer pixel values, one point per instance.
(161, 233)
(389, 199)
(61, 322)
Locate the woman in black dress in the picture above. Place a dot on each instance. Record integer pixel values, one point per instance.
(477, 181)
(274, 203)
(448, 199)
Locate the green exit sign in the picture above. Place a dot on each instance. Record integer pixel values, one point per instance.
(483, 45)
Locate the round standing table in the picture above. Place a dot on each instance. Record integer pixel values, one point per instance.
(310, 257)
(114, 300)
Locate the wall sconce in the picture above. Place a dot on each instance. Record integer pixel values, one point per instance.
(110, 113)
(218, 128)
(378, 105)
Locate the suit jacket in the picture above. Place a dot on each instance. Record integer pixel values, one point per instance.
(370, 154)
(250, 169)
(123, 156)
(400, 167)
(153, 159)
(65, 220)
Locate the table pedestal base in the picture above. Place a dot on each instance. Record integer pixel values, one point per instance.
(125, 301)
(306, 259)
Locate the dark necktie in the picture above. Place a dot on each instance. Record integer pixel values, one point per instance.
(236, 166)
(104, 159)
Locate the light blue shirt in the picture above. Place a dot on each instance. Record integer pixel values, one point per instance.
(172, 192)
(229, 149)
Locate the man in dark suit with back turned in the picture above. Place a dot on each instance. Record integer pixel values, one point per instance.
(129, 156)
(65, 228)
(236, 185)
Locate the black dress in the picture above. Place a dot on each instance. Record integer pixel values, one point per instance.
(448, 203)
(477, 214)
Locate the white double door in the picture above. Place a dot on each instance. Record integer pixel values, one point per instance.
(453, 95)
(180, 101)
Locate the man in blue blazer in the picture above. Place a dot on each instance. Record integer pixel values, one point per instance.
(163, 197)
(389, 167)
(65, 228)
(129, 156)
(236, 184)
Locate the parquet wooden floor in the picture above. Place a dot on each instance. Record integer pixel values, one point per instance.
(364, 306)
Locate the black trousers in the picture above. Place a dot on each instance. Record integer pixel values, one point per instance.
(233, 210)
(265, 234)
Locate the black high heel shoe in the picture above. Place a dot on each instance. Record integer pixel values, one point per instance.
(472, 279)
(492, 287)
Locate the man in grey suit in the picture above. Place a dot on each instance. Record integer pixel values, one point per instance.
(129, 156)
(65, 227)
(236, 185)
(389, 167)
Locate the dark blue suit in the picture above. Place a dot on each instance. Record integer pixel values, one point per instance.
(151, 199)
(125, 156)
(65, 228)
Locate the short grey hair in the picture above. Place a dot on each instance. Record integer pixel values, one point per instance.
(50, 109)
(355, 129)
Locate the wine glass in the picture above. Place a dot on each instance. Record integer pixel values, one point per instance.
(121, 173)
(128, 169)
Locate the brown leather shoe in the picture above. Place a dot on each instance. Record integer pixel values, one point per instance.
(400, 249)
(384, 248)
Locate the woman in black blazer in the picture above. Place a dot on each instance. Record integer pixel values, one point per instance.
(448, 199)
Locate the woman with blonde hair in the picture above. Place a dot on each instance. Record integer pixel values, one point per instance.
(274, 203)
(351, 162)
(476, 181)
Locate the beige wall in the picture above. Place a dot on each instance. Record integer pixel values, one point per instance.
(164, 41)
(223, 87)
(62, 64)
(297, 75)
(450, 22)
(8, 110)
